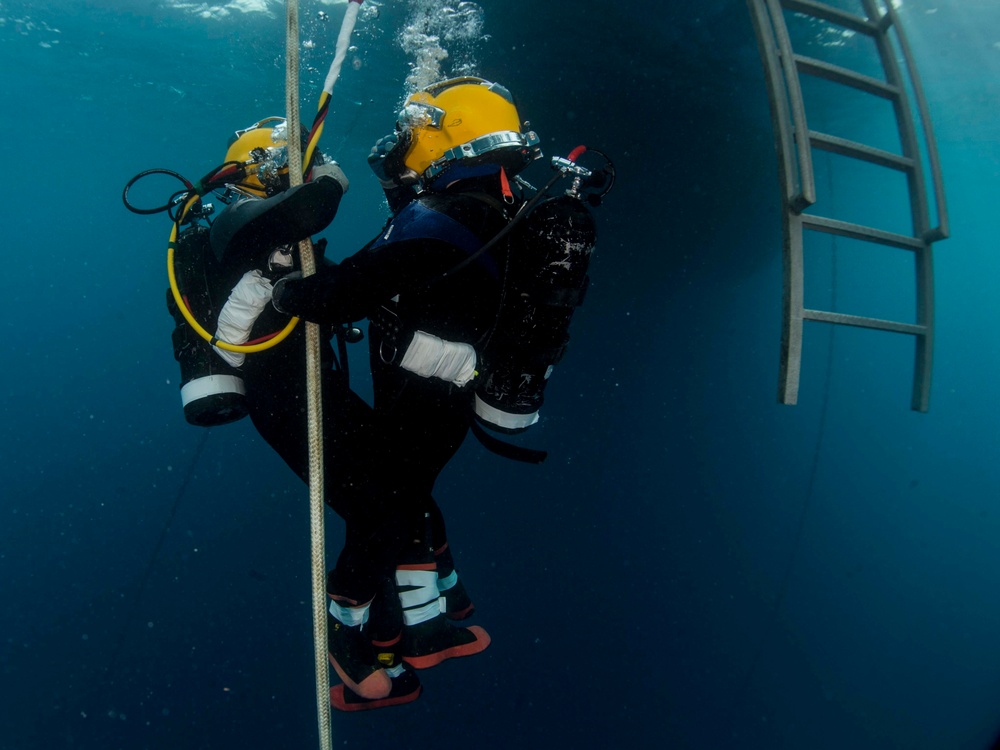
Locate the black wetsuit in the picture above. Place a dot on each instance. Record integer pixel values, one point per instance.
(381, 464)
(242, 238)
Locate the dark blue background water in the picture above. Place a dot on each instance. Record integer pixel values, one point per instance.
(694, 567)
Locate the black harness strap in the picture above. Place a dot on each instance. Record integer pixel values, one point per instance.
(504, 449)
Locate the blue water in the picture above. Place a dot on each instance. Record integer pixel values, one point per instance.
(695, 566)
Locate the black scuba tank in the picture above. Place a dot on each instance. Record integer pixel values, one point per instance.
(212, 392)
(549, 255)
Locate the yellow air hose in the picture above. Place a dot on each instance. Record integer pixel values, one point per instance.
(182, 306)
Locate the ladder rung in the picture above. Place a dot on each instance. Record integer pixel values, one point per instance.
(846, 77)
(861, 322)
(833, 15)
(856, 150)
(861, 232)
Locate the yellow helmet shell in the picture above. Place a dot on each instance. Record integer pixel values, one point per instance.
(262, 149)
(465, 118)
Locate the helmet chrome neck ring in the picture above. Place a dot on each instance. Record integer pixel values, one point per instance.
(528, 144)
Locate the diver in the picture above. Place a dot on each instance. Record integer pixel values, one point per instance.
(387, 513)
(468, 290)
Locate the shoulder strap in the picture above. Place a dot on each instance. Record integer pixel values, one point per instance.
(421, 221)
(492, 201)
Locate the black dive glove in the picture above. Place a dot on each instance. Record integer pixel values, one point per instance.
(386, 160)
(332, 170)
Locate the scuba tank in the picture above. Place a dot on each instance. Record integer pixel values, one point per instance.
(212, 392)
(550, 252)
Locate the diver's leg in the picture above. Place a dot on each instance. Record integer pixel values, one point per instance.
(424, 424)
(457, 603)
(384, 630)
(350, 651)
(428, 637)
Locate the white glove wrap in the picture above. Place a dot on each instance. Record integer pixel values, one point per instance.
(431, 357)
(248, 298)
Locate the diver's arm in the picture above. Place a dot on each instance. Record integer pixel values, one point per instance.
(352, 289)
(247, 231)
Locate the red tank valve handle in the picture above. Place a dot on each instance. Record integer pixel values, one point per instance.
(576, 153)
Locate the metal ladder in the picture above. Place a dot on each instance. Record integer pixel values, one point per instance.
(795, 143)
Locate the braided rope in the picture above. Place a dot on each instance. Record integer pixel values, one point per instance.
(314, 403)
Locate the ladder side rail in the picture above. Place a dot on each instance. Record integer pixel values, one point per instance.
(923, 356)
(906, 127)
(777, 98)
(792, 199)
(924, 351)
(792, 309)
(942, 230)
(806, 194)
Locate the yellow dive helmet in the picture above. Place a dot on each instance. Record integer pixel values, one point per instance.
(468, 119)
(262, 149)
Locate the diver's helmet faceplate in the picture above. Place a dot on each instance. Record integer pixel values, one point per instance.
(263, 150)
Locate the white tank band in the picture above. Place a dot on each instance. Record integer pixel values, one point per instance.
(504, 419)
(211, 385)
